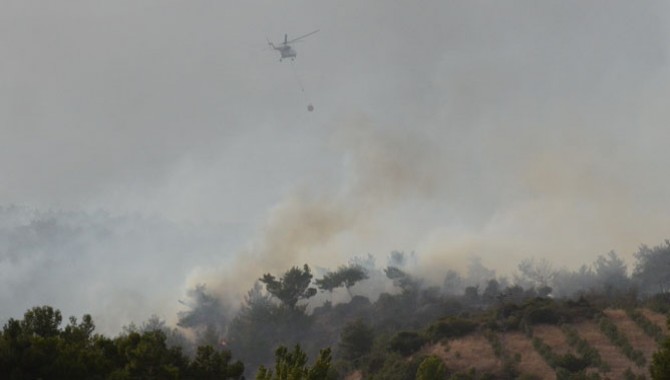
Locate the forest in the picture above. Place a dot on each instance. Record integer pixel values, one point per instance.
(288, 327)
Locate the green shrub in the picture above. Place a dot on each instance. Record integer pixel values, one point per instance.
(629, 375)
(431, 368)
(619, 339)
(395, 367)
(659, 303)
(543, 315)
(356, 340)
(646, 325)
(406, 342)
(571, 363)
(583, 348)
(451, 327)
(660, 364)
(563, 374)
(544, 351)
(510, 369)
(496, 345)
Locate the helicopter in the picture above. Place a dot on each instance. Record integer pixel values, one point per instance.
(285, 48)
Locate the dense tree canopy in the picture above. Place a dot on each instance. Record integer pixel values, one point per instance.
(292, 287)
(292, 365)
(535, 273)
(346, 276)
(611, 273)
(652, 271)
(206, 317)
(402, 279)
(356, 340)
(37, 347)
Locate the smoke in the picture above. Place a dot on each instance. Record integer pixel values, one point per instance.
(326, 225)
(451, 129)
(567, 183)
(119, 269)
(568, 198)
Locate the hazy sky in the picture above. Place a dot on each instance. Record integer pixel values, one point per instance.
(449, 128)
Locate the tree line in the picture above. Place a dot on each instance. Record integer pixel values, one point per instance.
(38, 347)
(274, 315)
(275, 311)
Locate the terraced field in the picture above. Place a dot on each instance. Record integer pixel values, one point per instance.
(476, 352)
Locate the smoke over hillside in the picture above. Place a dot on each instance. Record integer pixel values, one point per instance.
(120, 269)
(450, 129)
(327, 227)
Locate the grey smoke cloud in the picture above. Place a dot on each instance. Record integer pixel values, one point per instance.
(505, 130)
(119, 269)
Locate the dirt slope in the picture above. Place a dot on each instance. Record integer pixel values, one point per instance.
(475, 351)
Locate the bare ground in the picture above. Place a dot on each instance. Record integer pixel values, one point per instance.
(531, 361)
(554, 338)
(658, 319)
(474, 351)
(609, 353)
(637, 337)
(356, 375)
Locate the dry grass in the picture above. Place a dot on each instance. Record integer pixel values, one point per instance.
(437, 349)
(658, 319)
(637, 337)
(473, 351)
(554, 338)
(609, 353)
(356, 375)
(531, 361)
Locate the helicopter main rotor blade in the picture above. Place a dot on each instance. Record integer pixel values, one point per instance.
(301, 37)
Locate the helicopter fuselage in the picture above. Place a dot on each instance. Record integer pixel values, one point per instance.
(285, 48)
(286, 51)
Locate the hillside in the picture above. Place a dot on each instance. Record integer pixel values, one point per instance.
(475, 353)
